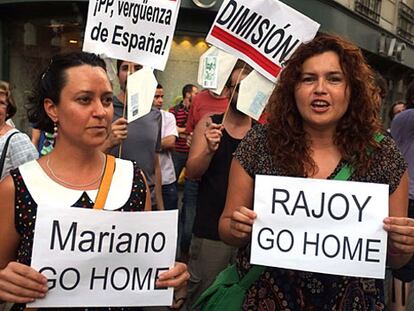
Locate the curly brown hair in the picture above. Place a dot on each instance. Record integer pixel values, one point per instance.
(290, 144)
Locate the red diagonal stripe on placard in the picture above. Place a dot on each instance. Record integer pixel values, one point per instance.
(247, 50)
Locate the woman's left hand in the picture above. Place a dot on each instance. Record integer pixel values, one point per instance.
(400, 235)
(175, 277)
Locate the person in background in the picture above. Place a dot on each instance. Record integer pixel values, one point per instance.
(215, 139)
(180, 112)
(402, 130)
(19, 150)
(73, 97)
(323, 114)
(140, 139)
(396, 108)
(180, 155)
(169, 135)
(205, 103)
(43, 141)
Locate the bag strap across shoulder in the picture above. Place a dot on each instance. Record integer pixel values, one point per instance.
(4, 152)
(105, 183)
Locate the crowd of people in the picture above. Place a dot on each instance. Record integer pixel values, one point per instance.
(323, 114)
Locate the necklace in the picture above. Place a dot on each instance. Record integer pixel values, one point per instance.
(74, 185)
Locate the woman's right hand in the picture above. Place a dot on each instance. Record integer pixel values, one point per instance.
(241, 222)
(20, 283)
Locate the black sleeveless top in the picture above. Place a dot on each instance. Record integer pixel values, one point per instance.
(213, 187)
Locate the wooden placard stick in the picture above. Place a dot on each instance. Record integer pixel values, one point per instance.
(125, 104)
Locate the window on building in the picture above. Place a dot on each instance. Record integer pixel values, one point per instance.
(369, 8)
(406, 22)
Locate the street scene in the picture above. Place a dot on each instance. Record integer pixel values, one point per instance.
(207, 155)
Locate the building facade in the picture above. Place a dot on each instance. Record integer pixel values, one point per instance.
(32, 31)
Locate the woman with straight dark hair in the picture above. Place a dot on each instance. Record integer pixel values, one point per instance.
(73, 99)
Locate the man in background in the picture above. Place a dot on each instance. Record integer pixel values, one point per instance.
(402, 130)
(180, 112)
(140, 140)
(168, 139)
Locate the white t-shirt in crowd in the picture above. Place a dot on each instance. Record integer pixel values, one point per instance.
(168, 128)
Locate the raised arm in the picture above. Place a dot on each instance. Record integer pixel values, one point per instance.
(205, 141)
(235, 226)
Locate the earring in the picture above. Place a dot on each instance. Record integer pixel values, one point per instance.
(55, 130)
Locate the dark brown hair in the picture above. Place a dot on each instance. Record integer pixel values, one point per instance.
(289, 143)
(391, 114)
(51, 82)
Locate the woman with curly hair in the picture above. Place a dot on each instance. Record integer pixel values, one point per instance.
(323, 114)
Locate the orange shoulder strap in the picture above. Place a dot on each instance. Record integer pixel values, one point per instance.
(105, 183)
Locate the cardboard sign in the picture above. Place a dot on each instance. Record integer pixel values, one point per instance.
(140, 31)
(141, 87)
(214, 69)
(103, 258)
(264, 33)
(324, 226)
(255, 91)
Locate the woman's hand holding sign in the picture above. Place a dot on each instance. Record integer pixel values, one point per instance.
(241, 222)
(175, 277)
(400, 236)
(21, 283)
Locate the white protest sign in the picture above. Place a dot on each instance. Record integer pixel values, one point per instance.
(264, 33)
(103, 258)
(141, 86)
(214, 69)
(140, 31)
(324, 226)
(254, 94)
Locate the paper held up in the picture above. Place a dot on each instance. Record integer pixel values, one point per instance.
(254, 94)
(214, 69)
(322, 224)
(103, 259)
(141, 87)
(262, 33)
(133, 31)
